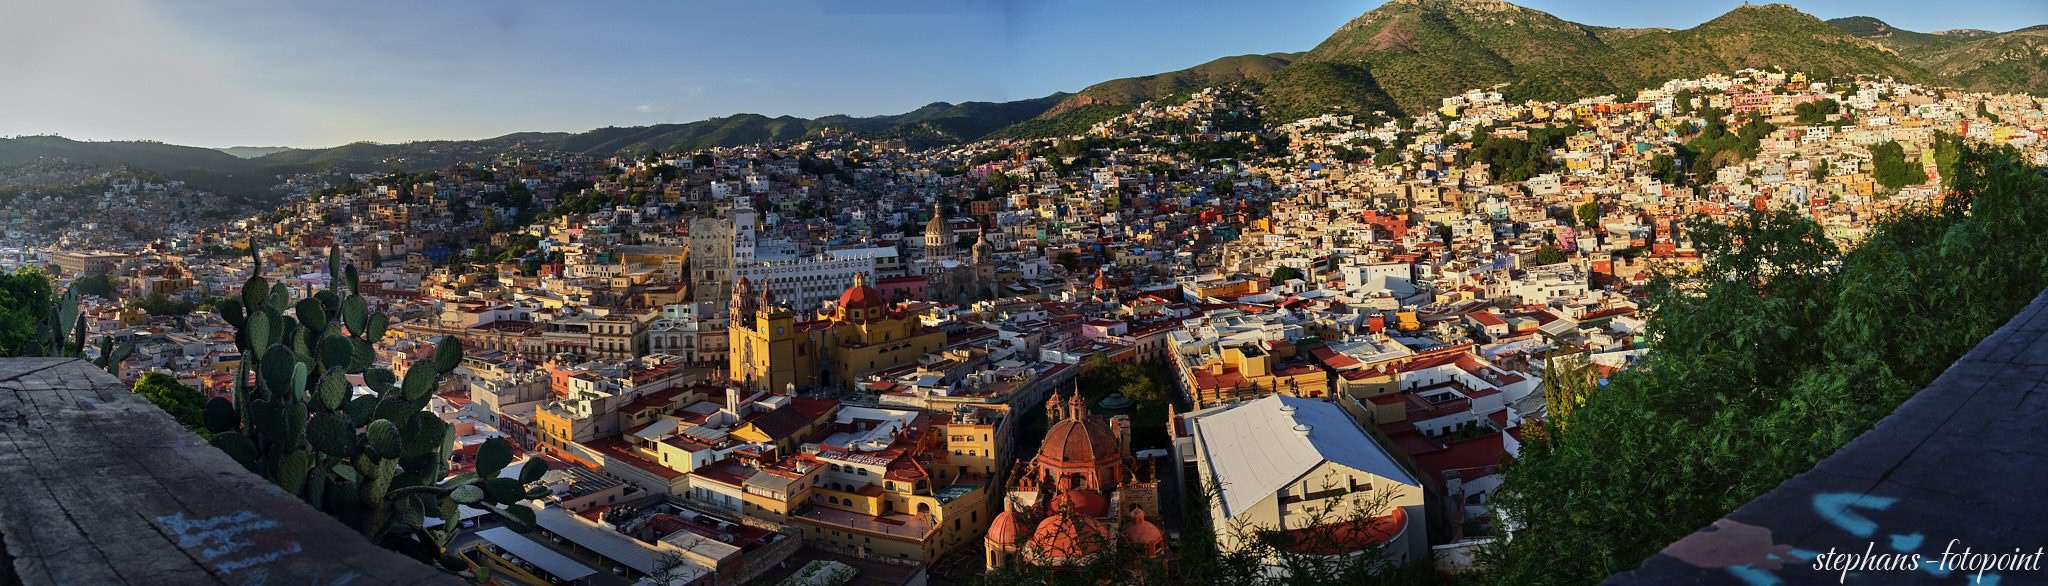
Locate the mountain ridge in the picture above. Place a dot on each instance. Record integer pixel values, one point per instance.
(2015, 60)
(1400, 58)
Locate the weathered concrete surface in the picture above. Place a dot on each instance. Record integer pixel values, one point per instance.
(104, 488)
(1961, 462)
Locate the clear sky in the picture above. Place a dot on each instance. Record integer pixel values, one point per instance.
(326, 72)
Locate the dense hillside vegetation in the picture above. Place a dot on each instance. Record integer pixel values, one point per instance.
(1758, 375)
(1420, 51)
(2015, 61)
(1132, 90)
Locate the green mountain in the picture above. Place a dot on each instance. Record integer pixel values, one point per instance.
(1132, 90)
(1765, 36)
(2014, 61)
(1077, 112)
(1420, 51)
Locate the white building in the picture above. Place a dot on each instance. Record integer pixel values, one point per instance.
(1287, 463)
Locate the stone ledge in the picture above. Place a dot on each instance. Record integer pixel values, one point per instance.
(109, 490)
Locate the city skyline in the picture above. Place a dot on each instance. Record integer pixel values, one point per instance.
(222, 74)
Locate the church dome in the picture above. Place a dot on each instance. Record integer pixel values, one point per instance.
(1066, 539)
(1142, 533)
(860, 296)
(1079, 442)
(937, 227)
(1082, 501)
(1005, 530)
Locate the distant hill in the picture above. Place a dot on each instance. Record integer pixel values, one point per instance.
(155, 156)
(249, 152)
(1132, 90)
(1075, 113)
(934, 124)
(2014, 61)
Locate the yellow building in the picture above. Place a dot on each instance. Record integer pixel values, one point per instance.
(1250, 371)
(891, 487)
(771, 350)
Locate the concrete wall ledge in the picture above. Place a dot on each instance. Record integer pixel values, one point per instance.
(106, 489)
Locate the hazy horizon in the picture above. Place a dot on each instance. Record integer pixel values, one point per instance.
(228, 73)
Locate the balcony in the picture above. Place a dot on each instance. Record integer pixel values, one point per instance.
(109, 490)
(897, 525)
(1959, 465)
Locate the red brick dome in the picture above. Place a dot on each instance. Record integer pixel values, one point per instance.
(1142, 533)
(1082, 442)
(1005, 530)
(1082, 501)
(1066, 539)
(860, 296)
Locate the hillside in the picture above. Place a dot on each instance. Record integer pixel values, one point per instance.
(1401, 58)
(250, 152)
(1076, 112)
(1420, 51)
(2014, 61)
(155, 156)
(1772, 35)
(1132, 90)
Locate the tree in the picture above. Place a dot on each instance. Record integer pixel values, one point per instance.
(1222, 187)
(492, 222)
(1142, 391)
(1068, 259)
(1819, 171)
(159, 304)
(1386, 157)
(24, 296)
(1589, 214)
(96, 285)
(1816, 112)
(1567, 380)
(1549, 254)
(184, 404)
(1891, 169)
(1666, 170)
(1778, 351)
(1284, 274)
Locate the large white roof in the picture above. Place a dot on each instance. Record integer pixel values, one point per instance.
(610, 544)
(534, 553)
(1253, 448)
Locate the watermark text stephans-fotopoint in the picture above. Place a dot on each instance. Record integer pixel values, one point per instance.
(1954, 558)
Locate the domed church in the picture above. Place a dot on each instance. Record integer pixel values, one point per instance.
(772, 349)
(1080, 495)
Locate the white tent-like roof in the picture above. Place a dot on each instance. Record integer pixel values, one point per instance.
(540, 556)
(1257, 447)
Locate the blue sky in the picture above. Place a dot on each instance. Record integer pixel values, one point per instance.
(320, 73)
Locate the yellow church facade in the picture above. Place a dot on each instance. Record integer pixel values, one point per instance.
(771, 349)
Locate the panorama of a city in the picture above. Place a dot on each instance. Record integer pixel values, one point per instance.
(1006, 292)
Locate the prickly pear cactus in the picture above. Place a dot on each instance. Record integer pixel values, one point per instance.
(377, 461)
(62, 334)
